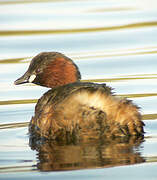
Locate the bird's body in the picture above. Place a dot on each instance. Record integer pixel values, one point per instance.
(77, 110)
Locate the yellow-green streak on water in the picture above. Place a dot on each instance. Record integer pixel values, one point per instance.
(117, 79)
(14, 60)
(28, 1)
(30, 101)
(79, 30)
(13, 125)
(27, 101)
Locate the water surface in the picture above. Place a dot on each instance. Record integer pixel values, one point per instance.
(111, 41)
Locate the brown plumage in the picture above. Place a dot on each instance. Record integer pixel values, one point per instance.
(74, 110)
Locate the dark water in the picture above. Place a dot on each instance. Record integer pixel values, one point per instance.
(111, 41)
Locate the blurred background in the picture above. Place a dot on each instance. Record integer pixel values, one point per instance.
(113, 42)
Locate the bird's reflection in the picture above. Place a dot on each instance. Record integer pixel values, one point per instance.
(92, 154)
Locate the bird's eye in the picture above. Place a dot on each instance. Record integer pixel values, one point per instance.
(38, 70)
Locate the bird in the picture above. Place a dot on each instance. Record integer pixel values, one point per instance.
(72, 110)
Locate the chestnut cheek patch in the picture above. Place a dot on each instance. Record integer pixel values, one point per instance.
(31, 78)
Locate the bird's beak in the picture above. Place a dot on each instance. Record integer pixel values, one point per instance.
(26, 78)
(23, 79)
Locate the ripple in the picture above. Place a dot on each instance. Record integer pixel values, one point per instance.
(14, 60)
(149, 116)
(77, 30)
(92, 55)
(119, 79)
(21, 101)
(17, 168)
(26, 2)
(115, 9)
(13, 125)
(151, 159)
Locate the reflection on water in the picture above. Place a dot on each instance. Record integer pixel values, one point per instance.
(111, 41)
(108, 153)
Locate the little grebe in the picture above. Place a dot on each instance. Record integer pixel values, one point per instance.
(74, 109)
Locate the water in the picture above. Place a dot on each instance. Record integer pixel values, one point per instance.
(111, 41)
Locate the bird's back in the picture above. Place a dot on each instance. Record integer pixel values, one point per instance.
(85, 111)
